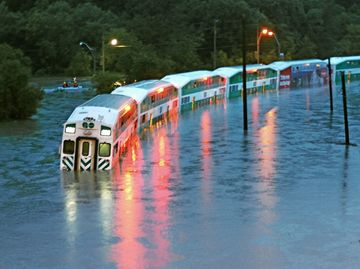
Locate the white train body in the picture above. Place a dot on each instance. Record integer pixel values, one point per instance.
(97, 132)
(155, 99)
(197, 87)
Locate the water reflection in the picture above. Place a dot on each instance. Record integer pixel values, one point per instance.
(255, 107)
(266, 165)
(205, 141)
(81, 190)
(267, 146)
(18, 128)
(128, 218)
(160, 176)
(141, 218)
(308, 101)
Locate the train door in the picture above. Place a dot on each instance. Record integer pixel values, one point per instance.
(86, 154)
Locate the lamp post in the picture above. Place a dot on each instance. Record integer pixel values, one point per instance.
(266, 33)
(214, 53)
(92, 54)
(114, 43)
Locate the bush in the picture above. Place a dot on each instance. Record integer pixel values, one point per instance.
(106, 82)
(79, 65)
(17, 99)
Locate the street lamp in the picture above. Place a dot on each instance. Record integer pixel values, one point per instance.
(266, 33)
(114, 43)
(92, 54)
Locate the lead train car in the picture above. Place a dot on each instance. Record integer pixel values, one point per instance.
(155, 99)
(97, 132)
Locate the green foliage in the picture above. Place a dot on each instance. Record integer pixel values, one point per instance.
(17, 99)
(172, 36)
(106, 82)
(80, 65)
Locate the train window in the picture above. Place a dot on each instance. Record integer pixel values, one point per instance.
(153, 99)
(185, 100)
(104, 149)
(85, 149)
(68, 147)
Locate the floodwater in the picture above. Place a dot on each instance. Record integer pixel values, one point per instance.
(196, 192)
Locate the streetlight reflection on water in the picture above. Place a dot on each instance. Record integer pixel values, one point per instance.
(205, 141)
(266, 147)
(130, 211)
(133, 207)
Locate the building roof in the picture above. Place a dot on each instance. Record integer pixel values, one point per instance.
(339, 60)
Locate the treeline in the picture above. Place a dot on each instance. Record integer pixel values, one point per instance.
(170, 36)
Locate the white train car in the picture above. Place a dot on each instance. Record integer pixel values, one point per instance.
(348, 64)
(155, 99)
(97, 132)
(198, 87)
(259, 79)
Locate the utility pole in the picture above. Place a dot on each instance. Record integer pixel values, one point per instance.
(330, 85)
(214, 52)
(103, 53)
(346, 122)
(244, 90)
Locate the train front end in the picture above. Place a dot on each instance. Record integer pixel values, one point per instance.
(90, 133)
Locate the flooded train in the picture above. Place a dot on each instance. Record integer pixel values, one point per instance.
(97, 132)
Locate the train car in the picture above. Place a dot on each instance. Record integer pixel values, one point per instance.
(97, 132)
(301, 73)
(349, 64)
(259, 78)
(155, 99)
(197, 88)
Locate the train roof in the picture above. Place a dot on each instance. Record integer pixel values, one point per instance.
(181, 79)
(230, 71)
(281, 65)
(107, 100)
(104, 108)
(339, 60)
(141, 89)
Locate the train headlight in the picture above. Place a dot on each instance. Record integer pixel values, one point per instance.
(70, 128)
(106, 131)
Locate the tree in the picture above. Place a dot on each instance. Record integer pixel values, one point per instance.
(80, 65)
(106, 82)
(17, 99)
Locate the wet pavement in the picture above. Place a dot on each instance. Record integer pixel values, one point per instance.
(196, 192)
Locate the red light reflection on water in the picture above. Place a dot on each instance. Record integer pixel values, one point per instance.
(266, 166)
(255, 111)
(129, 253)
(267, 145)
(205, 137)
(141, 218)
(161, 172)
